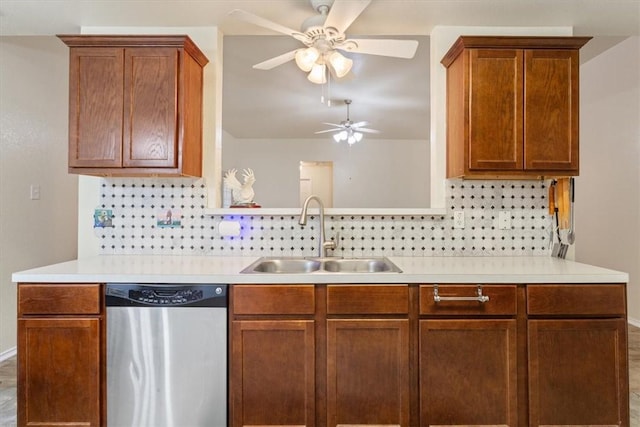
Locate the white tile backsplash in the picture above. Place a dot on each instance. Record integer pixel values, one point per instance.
(136, 201)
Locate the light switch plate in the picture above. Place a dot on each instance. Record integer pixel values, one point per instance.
(34, 192)
(458, 219)
(504, 220)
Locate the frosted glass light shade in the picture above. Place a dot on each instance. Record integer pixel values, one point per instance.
(341, 64)
(306, 58)
(317, 74)
(350, 136)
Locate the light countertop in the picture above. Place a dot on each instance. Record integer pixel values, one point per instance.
(210, 269)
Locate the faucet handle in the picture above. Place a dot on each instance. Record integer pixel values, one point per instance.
(333, 243)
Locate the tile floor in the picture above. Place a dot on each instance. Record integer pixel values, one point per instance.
(8, 384)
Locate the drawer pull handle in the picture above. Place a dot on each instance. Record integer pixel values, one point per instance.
(479, 297)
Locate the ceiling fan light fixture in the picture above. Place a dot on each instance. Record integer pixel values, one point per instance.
(306, 58)
(318, 74)
(341, 64)
(357, 136)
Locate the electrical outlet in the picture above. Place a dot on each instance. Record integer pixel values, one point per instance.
(458, 219)
(504, 220)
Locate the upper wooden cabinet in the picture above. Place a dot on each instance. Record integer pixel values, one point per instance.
(135, 105)
(512, 106)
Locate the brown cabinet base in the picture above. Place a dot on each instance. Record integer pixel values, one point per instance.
(394, 355)
(61, 355)
(302, 355)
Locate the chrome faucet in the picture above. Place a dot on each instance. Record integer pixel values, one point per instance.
(324, 244)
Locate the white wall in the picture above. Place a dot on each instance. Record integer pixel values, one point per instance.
(608, 188)
(34, 93)
(366, 174)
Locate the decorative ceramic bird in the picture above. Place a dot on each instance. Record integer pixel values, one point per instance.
(242, 193)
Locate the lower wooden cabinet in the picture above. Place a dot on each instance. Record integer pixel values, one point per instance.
(272, 378)
(578, 372)
(468, 372)
(427, 355)
(578, 365)
(468, 355)
(345, 355)
(368, 372)
(59, 372)
(60, 355)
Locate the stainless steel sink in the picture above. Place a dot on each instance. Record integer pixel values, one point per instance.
(297, 265)
(283, 265)
(360, 265)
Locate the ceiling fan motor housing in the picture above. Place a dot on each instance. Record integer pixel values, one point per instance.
(313, 26)
(319, 5)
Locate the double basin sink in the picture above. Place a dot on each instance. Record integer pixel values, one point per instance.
(299, 265)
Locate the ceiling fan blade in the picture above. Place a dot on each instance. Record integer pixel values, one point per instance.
(367, 130)
(333, 124)
(383, 47)
(328, 130)
(275, 61)
(359, 124)
(344, 12)
(262, 22)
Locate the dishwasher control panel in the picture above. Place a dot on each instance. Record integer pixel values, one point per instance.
(165, 295)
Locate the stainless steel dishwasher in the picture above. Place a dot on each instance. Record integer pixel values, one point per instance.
(166, 355)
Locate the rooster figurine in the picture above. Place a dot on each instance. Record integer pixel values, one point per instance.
(242, 193)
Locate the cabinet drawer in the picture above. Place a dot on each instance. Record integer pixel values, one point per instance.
(367, 299)
(273, 299)
(587, 300)
(59, 299)
(461, 300)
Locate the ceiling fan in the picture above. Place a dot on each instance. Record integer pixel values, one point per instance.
(348, 130)
(324, 35)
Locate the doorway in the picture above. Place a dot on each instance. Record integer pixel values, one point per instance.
(316, 177)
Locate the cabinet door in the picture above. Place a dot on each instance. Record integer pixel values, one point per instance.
(551, 110)
(272, 373)
(59, 379)
(468, 372)
(495, 109)
(578, 372)
(368, 372)
(151, 107)
(95, 107)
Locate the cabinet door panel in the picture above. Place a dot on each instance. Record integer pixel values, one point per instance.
(59, 372)
(150, 110)
(551, 110)
(368, 372)
(468, 372)
(578, 372)
(272, 373)
(95, 107)
(495, 109)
